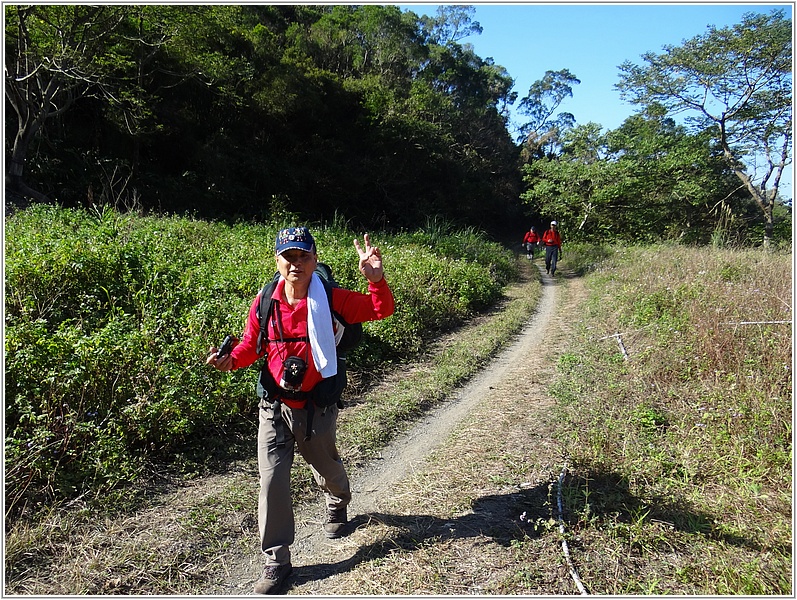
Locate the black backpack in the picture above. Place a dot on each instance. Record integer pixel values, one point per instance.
(328, 391)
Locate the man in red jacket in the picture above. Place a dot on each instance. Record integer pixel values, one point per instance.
(553, 247)
(530, 240)
(300, 331)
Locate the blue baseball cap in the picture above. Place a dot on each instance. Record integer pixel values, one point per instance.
(295, 238)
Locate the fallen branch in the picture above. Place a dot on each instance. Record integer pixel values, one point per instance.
(565, 549)
(619, 343)
(622, 347)
(758, 323)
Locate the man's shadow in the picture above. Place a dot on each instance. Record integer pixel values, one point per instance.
(495, 516)
(522, 515)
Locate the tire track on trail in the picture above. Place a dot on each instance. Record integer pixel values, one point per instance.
(410, 449)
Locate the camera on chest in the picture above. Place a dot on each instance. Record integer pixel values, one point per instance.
(293, 370)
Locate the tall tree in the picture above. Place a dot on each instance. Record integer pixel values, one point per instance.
(737, 81)
(544, 127)
(452, 23)
(676, 181)
(650, 179)
(54, 55)
(576, 186)
(473, 94)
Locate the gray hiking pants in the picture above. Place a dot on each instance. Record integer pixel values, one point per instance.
(275, 509)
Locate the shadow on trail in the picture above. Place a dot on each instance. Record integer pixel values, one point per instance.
(496, 516)
(611, 502)
(524, 514)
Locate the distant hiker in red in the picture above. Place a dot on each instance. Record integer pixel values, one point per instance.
(530, 241)
(553, 247)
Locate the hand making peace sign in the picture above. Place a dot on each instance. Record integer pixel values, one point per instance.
(370, 260)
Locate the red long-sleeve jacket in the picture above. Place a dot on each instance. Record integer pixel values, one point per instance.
(354, 307)
(531, 237)
(552, 238)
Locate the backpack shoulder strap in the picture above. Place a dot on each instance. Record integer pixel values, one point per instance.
(264, 308)
(328, 289)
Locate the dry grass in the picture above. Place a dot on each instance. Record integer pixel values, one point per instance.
(683, 451)
(170, 547)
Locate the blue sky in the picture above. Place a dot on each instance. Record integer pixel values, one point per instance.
(591, 40)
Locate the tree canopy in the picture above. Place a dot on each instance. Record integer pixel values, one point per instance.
(736, 82)
(543, 128)
(246, 110)
(383, 118)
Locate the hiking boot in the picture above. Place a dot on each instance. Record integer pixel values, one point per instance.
(272, 578)
(336, 523)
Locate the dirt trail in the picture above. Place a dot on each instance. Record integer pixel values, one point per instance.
(374, 483)
(517, 376)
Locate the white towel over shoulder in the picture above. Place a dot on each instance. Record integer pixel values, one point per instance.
(319, 329)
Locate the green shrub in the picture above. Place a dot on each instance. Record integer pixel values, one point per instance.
(109, 317)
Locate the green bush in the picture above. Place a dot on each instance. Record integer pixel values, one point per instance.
(109, 317)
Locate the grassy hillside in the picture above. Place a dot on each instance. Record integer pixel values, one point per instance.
(675, 402)
(109, 317)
